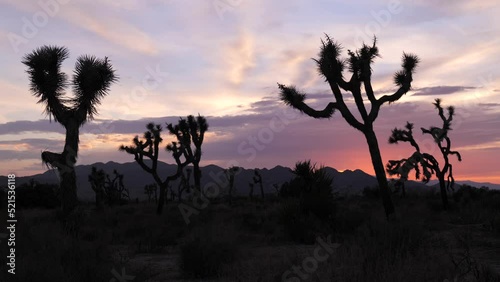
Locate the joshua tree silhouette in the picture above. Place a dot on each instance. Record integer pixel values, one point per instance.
(115, 189)
(91, 81)
(230, 173)
(150, 148)
(257, 179)
(105, 188)
(97, 179)
(331, 67)
(187, 131)
(426, 162)
(191, 130)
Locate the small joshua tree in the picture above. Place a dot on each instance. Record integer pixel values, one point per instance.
(230, 173)
(425, 163)
(359, 62)
(250, 193)
(152, 191)
(257, 179)
(97, 179)
(91, 81)
(115, 189)
(111, 190)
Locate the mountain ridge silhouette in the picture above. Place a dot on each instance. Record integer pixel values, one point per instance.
(347, 182)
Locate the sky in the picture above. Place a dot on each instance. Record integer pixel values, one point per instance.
(223, 59)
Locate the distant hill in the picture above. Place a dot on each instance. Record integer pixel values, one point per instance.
(347, 182)
(435, 183)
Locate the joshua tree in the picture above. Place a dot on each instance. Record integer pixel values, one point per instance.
(115, 189)
(184, 184)
(91, 81)
(331, 67)
(425, 163)
(97, 179)
(250, 193)
(190, 131)
(104, 187)
(149, 147)
(151, 191)
(257, 179)
(230, 173)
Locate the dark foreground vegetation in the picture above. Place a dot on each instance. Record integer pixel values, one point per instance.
(285, 237)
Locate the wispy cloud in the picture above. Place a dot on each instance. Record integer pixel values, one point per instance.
(440, 90)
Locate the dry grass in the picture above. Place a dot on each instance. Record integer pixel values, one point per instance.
(250, 242)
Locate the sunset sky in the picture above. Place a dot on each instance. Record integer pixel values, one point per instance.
(223, 58)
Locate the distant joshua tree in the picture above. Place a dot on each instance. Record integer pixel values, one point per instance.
(359, 62)
(425, 163)
(187, 131)
(115, 189)
(151, 191)
(250, 193)
(97, 179)
(91, 81)
(106, 189)
(257, 179)
(230, 173)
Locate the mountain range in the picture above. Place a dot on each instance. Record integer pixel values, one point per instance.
(348, 182)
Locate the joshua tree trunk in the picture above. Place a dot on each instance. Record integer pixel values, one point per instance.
(68, 189)
(161, 200)
(250, 193)
(444, 194)
(65, 164)
(230, 194)
(378, 166)
(99, 198)
(197, 176)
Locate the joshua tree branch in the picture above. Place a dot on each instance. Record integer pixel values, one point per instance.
(290, 96)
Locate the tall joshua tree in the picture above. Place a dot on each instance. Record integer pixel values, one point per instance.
(425, 163)
(91, 81)
(331, 67)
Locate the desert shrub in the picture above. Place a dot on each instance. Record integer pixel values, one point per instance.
(371, 192)
(349, 220)
(3, 197)
(73, 222)
(313, 188)
(45, 253)
(37, 196)
(307, 204)
(301, 227)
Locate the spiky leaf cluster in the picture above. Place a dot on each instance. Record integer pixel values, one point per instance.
(331, 66)
(189, 131)
(91, 81)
